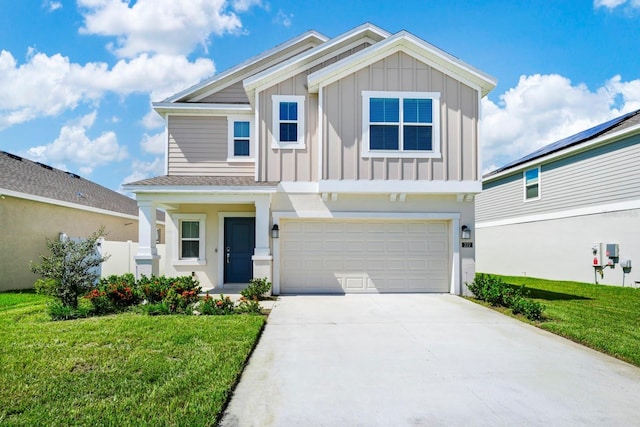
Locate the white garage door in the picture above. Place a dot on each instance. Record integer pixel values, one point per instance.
(336, 256)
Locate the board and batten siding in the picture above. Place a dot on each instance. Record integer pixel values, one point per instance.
(198, 146)
(342, 126)
(293, 164)
(599, 176)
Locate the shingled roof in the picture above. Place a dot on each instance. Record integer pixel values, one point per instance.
(206, 181)
(33, 178)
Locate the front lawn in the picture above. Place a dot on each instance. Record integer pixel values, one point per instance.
(125, 369)
(606, 318)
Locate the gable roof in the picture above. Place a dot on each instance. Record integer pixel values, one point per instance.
(268, 58)
(605, 129)
(39, 181)
(412, 45)
(364, 32)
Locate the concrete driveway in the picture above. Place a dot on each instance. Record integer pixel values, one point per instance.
(423, 360)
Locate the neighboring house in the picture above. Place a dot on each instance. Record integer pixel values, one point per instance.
(38, 202)
(327, 165)
(541, 215)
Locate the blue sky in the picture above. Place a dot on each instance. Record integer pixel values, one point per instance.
(77, 77)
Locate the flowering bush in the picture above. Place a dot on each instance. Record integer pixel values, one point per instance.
(210, 305)
(100, 302)
(121, 291)
(247, 306)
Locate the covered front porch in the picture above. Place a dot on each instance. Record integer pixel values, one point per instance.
(219, 235)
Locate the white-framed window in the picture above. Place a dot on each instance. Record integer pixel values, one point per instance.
(189, 239)
(400, 124)
(240, 138)
(288, 121)
(531, 184)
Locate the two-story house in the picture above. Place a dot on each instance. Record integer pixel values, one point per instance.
(327, 165)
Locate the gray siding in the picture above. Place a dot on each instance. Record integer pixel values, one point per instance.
(198, 146)
(342, 129)
(293, 164)
(233, 94)
(606, 174)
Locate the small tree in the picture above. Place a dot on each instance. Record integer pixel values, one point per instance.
(72, 265)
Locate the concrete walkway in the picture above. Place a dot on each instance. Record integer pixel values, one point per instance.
(423, 360)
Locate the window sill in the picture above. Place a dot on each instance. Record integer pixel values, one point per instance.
(189, 262)
(288, 146)
(401, 154)
(241, 160)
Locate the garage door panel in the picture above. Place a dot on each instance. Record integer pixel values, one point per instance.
(364, 256)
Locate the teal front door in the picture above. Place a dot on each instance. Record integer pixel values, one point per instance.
(239, 243)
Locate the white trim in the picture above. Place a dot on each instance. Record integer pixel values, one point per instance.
(231, 158)
(176, 219)
(456, 261)
(524, 184)
(257, 121)
(200, 109)
(591, 210)
(320, 132)
(56, 202)
(221, 250)
(567, 152)
(367, 152)
(321, 53)
(277, 215)
(298, 187)
(275, 130)
(312, 34)
(180, 193)
(395, 186)
(413, 46)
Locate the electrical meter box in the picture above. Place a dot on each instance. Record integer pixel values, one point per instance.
(598, 254)
(613, 251)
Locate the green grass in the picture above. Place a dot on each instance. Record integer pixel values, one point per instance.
(605, 318)
(126, 369)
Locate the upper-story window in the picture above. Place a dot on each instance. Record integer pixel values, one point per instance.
(400, 124)
(532, 184)
(239, 139)
(288, 121)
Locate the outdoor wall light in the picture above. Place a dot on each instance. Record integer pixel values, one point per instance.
(466, 232)
(275, 231)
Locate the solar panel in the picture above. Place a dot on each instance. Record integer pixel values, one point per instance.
(579, 137)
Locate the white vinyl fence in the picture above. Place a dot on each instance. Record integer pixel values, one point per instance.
(121, 258)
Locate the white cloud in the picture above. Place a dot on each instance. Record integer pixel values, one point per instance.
(160, 26)
(612, 4)
(152, 120)
(153, 144)
(244, 5)
(51, 6)
(74, 146)
(284, 19)
(49, 85)
(142, 170)
(545, 108)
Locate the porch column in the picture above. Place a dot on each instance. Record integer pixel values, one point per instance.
(147, 258)
(262, 258)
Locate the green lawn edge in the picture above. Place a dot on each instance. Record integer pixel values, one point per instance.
(123, 369)
(602, 317)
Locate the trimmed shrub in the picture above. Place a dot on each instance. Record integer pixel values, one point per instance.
(257, 289)
(498, 293)
(48, 287)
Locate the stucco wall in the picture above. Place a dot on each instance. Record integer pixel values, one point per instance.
(207, 274)
(25, 224)
(561, 248)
